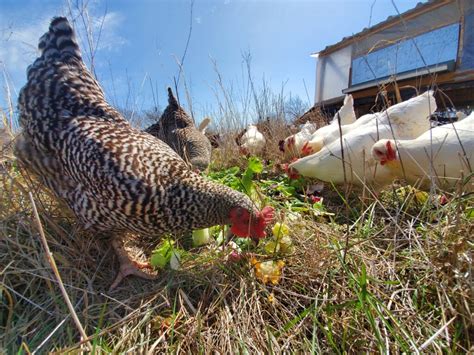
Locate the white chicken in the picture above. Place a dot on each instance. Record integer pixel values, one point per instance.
(406, 120)
(204, 124)
(460, 115)
(329, 133)
(346, 112)
(442, 155)
(293, 145)
(252, 141)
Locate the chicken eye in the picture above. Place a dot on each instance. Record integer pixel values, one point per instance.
(180, 123)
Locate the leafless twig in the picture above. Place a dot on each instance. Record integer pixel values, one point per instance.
(52, 263)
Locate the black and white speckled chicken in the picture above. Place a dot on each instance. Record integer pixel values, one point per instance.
(114, 178)
(177, 129)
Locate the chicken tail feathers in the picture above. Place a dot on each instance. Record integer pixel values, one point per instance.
(60, 41)
(172, 99)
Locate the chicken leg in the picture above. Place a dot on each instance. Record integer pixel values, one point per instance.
(128, 266)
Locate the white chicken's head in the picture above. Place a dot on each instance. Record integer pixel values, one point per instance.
(384, 151)
(252, 128)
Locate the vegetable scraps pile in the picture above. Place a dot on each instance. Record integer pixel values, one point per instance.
(266, 259)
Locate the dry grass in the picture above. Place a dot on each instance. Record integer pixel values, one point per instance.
(273, 130)
(406, 274)
(381, 275)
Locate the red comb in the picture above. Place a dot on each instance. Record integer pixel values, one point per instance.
(264, 217)
(306, 150)
(292, 173)
(291, 141)
(267, 213)
(391, 153)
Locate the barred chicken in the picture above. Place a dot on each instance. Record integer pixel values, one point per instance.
(114, 178)
(177, 129)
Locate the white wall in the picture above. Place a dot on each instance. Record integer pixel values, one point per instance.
(332, 70)
(332, 74)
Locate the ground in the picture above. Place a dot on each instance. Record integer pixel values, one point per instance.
(388, 272)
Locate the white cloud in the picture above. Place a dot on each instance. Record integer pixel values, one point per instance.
(18, 46)
(18, 49)
(19, 41)
(104, 32)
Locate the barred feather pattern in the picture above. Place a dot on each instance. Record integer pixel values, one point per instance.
(111, 175)
(177, 129)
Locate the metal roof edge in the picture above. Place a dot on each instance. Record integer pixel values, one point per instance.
(389, 21)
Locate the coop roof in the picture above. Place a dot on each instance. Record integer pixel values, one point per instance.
(420, 8)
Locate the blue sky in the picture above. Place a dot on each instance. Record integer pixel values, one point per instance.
(141, 40)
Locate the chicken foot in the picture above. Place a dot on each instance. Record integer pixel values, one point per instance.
(127, 266)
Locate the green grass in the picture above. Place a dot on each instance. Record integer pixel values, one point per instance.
(373, 275)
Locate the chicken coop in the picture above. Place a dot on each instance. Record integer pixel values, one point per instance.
(431, 45)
